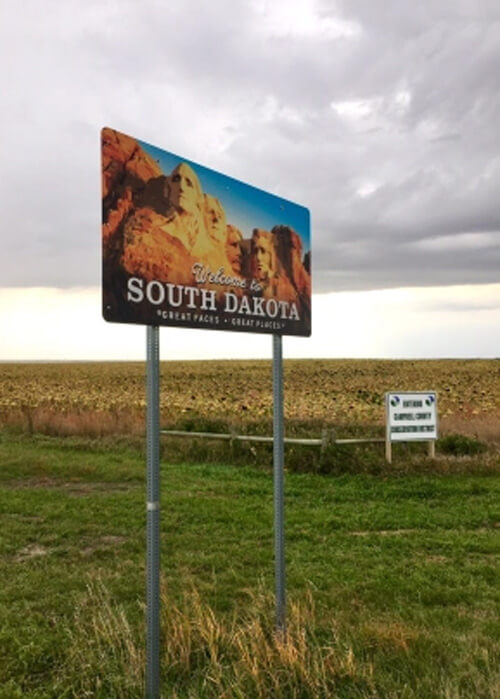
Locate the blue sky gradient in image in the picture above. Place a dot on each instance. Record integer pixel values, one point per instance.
(247, 207)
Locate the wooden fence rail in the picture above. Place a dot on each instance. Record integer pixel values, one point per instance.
(325, 440)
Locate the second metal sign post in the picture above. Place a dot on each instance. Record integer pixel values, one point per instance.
(278, 471)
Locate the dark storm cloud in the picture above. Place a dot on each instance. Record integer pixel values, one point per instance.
(366, 267)
(382, 117)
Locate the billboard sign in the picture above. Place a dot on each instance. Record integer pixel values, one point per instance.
(411, 416)
(186, 246)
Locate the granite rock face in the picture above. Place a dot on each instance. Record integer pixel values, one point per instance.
(121, 157)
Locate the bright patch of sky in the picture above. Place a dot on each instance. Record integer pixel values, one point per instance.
(365, 189)
(280, 18)
(381, 107)
(457, 321)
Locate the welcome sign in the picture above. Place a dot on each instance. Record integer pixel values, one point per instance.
(186, 246)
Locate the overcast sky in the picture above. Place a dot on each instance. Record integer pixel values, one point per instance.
(381, 116)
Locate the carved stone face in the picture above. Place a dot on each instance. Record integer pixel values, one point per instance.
(215, 219)
(233, 248)
(185, 190)
(262, 255)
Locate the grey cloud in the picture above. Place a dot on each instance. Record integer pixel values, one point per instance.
(376, 266)
(210, 82)
(446, 137)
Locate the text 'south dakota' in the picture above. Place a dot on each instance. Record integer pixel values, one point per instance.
(177, 295)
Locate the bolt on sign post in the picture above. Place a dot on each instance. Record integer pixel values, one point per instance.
(185, 246)
(411, 417)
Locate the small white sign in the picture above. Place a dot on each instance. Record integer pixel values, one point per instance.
(411, 416)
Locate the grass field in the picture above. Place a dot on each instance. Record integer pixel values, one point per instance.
(392, 583)
(392, 579)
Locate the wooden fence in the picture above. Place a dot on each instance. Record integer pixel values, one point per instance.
(325, 441)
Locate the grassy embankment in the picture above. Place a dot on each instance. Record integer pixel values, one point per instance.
(392, 571)
(392, 582)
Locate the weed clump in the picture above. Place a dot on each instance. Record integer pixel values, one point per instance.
(460, 445)
(200, 423)
(204, 655)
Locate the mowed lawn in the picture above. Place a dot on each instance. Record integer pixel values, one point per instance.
(392, 581)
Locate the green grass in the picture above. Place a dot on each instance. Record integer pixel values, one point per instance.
(392, 580)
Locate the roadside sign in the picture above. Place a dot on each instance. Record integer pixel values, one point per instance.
(185, 246)
(411, 416)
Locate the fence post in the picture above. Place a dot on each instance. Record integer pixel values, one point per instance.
(233, 433)
(327, 438)
(388, 450)
(388, 444)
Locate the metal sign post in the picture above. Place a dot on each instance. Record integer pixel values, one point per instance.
(278, 460)
(153, 515)
(194, 259)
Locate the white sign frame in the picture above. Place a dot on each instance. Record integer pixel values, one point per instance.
(411, 416)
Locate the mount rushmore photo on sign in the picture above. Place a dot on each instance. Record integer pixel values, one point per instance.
(186, 246)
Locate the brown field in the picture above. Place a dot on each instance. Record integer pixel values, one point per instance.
(109, 397)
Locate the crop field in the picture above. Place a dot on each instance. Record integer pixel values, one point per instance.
(347, 395)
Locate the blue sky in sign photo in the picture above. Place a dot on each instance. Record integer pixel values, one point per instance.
(246, 206)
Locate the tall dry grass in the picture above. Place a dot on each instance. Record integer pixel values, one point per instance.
(64, 423)
(105, 422)
(486, 428)
(206, 656)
